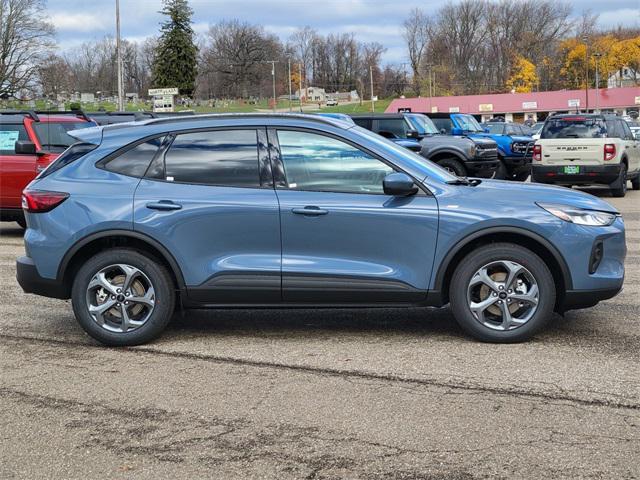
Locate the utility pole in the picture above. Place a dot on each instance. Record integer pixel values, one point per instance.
(300, 85)
(597, 55)
(373, 106)
(289, 65)
(119, 58)
(586, 71)
(273, 79)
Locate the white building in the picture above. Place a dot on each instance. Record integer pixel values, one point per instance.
(625, 77)
(312, 94)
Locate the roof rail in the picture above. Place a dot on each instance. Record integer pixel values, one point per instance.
(212, 116)
(77, 113)
(28, 113)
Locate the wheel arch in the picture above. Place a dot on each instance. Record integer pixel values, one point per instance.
(520, 236)
(441, 154)
(95, 242)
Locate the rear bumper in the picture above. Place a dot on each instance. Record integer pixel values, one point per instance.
(482, 169)
(588, 174)
(11, 214)
(577, 299)
(31, 281)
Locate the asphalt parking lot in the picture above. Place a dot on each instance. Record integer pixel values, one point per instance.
(374, 394)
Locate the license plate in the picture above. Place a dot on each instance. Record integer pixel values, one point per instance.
(572, 169)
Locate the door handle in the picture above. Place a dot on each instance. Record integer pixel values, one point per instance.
(164, 205)
(309, 211)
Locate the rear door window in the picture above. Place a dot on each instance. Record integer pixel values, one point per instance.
(9, 135)
(363, 122)
(217, 157)
(574, 127)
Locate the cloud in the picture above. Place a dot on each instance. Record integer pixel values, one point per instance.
(77, 22)
(622, 16)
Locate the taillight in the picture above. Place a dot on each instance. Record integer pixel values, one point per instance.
(43, 162)
(537, 152)
(609, 151)
(39, 201)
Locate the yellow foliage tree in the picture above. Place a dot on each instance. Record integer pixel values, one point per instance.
(523, 76)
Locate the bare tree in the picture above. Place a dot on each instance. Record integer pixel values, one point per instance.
(53, 76)
(26, 38)
(416, 35)
(301, 43)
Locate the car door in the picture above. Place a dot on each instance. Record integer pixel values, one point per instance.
(16, 170)
(343, 240)
(209, 199)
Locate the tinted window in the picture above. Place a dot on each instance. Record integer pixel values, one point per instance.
(363, 122)
(9, 135)
(70, 155)
(628, 135)
(135, 161)
(53, 136)
(574, 127)
(443, 124)
(221, 157)
(391, 127)
(324, 164)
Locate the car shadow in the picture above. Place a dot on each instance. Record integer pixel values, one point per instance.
(11, 230)
(318, 322)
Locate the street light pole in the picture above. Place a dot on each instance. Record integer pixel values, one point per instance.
(273, 78)
(300, 85)
(119, 58)
(586, 71)
(597, 55)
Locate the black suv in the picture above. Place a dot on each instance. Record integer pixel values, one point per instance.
(461, 156)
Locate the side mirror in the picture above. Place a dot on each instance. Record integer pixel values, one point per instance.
(413, 134)
(399, 185)
(457, 131)
(486, 129)
(25, 147)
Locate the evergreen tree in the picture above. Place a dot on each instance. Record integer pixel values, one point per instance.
(175, 60)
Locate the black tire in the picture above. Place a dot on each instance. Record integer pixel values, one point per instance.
(502, 173)
(454, 166)
(22, 222)
(619, 187)
(635, 183)
(482, 256)
(160, 280)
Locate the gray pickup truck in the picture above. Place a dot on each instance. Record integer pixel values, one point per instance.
(460, 155)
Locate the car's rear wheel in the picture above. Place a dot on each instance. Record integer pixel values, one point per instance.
(521, 176)
(454, 166)
(121, 297)
(635, 183)
(502, 293)
(619, 187)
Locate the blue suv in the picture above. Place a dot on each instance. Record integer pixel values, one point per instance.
(286, 210)
(515, 147)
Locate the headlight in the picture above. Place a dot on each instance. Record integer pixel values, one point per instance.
(579, 216)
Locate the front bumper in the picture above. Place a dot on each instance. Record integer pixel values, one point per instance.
(482, 169)
(517, 163)
(577, 299)
(588, 174)
(31, 281)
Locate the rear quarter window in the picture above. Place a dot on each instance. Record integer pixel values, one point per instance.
(9, 135)
(69, 156)
(135, 161)
(443, 124)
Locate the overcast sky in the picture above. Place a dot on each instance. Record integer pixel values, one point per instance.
(77, 21)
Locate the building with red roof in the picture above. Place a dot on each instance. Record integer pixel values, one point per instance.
(519, 106)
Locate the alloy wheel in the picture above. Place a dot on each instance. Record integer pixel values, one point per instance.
(503, 295)
(120, 298)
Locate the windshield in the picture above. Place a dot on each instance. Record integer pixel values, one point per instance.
(423, 124)
(574, 127)
(469, 124)
(495, 128)
(53, 136)
(440, 173)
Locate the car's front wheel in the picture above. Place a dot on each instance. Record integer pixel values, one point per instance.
(502, 293)
(121, 297)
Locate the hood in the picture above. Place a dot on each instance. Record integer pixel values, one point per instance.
(485, 141)
(521, 138)
(537, 192)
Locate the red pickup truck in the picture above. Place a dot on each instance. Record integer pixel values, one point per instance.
(29, 141)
